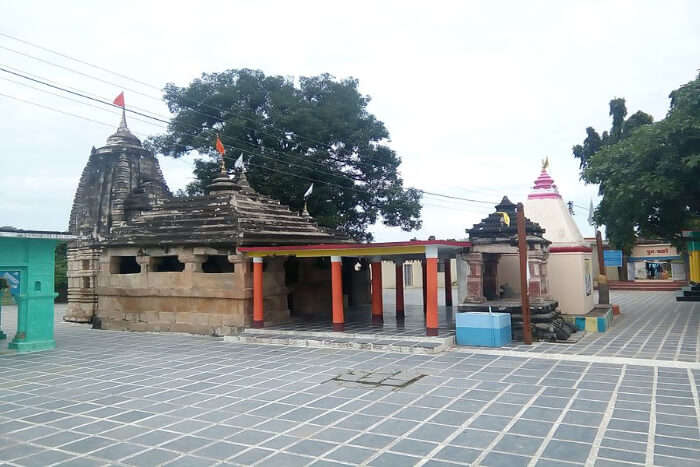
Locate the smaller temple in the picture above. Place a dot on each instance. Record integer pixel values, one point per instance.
(493, 261)
(493, 282)
(570, 262)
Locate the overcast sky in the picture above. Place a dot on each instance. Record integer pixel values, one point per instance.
(474, 94)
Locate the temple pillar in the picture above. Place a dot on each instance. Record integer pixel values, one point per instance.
(400, 310)
(337, 293)
(448, 282)
(475, 280)
(462, 273)
(537, 284)
(258, 312)
(423, 268)
(377, 300)
(431, 294)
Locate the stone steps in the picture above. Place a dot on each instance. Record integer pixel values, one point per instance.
(339, 340)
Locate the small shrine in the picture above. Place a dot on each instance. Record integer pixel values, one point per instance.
(570, 262)
(493, 281)
(493, 260)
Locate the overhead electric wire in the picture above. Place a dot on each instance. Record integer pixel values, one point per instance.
(313, 180)
(159, 99)
(162, 121)
(282, 133)
(61, 96)
(101, 100)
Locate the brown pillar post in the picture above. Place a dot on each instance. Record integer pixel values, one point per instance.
(400, 313)
(448, 282)
(377, 300)
(423, 268)
(337, 287)
(258, 312)
(522, 249)
(603, 288)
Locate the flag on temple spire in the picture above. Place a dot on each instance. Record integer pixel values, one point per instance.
(119, 100)
(309, 191)
(505, 217)
(239, 163)
(219, 146)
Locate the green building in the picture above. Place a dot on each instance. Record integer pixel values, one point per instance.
(27, 270)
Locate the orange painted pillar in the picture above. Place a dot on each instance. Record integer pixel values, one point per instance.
(431, 294)
(258, 314)
(448, 282)
(400, 313)
(337, 284)
(424, 270)
(377, 301)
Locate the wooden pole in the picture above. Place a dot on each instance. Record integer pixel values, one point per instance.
(603, 287)
(522, 249)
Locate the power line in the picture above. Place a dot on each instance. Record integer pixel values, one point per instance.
(107, 103)
(216, 117)
(162, 121)
(46, 49)
(45, 91)
(194, 110)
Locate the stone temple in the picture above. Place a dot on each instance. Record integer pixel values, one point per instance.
(146, 260)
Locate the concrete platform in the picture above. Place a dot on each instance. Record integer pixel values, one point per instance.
(343, 340)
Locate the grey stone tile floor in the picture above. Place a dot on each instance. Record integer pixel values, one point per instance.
(120, 398)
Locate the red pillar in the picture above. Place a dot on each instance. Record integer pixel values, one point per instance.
(377, 301)
(337, 285)
(448, 282)
(431, 298)
(423, 268)
(258, 314)
(400, 314)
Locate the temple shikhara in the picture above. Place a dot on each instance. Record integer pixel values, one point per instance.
(145, 260)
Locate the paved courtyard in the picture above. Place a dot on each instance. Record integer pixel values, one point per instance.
(117, 398)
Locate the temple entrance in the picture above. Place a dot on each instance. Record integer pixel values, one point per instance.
(338, 286)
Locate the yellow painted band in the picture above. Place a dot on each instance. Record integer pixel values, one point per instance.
(379, 251)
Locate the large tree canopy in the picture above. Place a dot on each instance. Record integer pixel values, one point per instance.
(648, 172)
(292, 133)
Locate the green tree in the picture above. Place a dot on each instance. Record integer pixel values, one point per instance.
(648, 172)
(292, 133)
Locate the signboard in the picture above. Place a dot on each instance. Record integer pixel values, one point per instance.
(12, 278)
(612, 258)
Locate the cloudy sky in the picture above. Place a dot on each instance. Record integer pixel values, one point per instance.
(474, 94)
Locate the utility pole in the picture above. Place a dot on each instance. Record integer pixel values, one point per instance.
(524, 302)
(603, 287)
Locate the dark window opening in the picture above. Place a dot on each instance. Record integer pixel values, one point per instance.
(217, 264)
(86, 282)
(124, 265)
(167, 264)
(86, 264)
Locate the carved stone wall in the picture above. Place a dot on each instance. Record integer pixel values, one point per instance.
(184, 301)
(83, 264)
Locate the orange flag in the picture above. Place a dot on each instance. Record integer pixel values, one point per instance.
(219, 145)
(119, 100)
